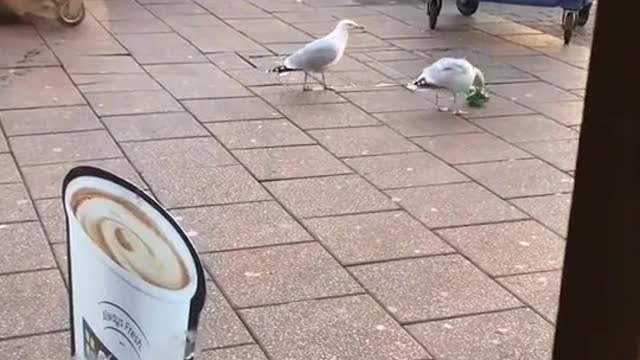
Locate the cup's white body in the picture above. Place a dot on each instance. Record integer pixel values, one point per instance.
(132, 318)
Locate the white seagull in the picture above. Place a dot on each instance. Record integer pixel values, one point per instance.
(455, 75)
(318, 55)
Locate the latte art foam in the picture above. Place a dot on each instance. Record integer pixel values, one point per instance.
(130, 238)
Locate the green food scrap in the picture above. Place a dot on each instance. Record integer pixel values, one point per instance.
(476, 96)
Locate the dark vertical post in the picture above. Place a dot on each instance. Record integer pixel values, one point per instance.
(599, 304)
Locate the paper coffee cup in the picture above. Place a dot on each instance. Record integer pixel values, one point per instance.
(136, 282)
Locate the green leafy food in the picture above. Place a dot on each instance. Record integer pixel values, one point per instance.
(477, 97)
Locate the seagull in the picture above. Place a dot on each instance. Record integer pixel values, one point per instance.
(455, 75)
(318, 55)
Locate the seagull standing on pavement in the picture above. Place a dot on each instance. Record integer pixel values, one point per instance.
(455, 75)
(320, 54)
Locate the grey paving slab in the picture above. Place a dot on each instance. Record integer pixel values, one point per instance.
(137, 26)
(510, 248)
(51, 212)
(219, 325)
(291, 95)
(430, 288)
(60, 254)
(236, 226)
(526, 128)
(562, 154)
(67, 147)
(362, 238)
(229, 61)
(426, 123)
(373, 140)
(259, 77)
(212, 110)
(519, 178)
(528, 93)
(42, 347)
(516, 334)
(94, 83)
(470, 148)
(4, 146)
(32, 303)
(269, 30)
(192, 81)
(279, 274)
(225, 39)
(101, 65)
(132, 102)
(22, 47)
(333, 195)
(245, 352)
(454, 205)
(15, 204)
(405, 170)
(386, 101)
(541, 291)
(498, 106)
(153, 126)
(290, 162)
(327, 116)
(9, 172)
(179, 20)
(45, 181)
(37, 87)
(565, 112)
(25, 248)
(258, 133)
(552, 211)
(236, 9)
(349, 328)
(160, 48)
(49, 120)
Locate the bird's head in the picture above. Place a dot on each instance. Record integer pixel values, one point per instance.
(348, 25)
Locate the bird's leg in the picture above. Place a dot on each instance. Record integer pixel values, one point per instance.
(458, 111)
(324, 82)
(437, 102)
(304, 86)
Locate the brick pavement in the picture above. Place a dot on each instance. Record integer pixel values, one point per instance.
(373, 226)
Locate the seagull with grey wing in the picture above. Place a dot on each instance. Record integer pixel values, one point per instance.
(455, 75)
(319, 55)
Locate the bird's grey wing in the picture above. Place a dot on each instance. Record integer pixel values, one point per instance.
(443, 69)
(314, 56)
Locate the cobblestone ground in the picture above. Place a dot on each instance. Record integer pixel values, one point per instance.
(351, 224)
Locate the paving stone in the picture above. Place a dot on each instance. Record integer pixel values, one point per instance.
(22, 47)
(373, 140)
(386, 101)
(4, 147)
(93, 83)
(119, 10)
(510, 248)
(566, 78)
(355, 239)
(258, 133)
(541, 291)
(327, 116)
(211, 110)
(36, 87)
(516, 334)
(160, 48)
(229, 61)
(528, 93)
(164, 10)
(137, 26)
(290, 162)
(179, 21)
(101, 65)
(48, 120)
(191, 81)
(431, 288)
(565, 112)
(9, 172)
(219, 326)
(246, 352)
(259, 77)
(25, 248)
(497, 106)
(32, 303)
(279, 274)
(405, 170)
(526, 128)
(562, 154)
(236, 226)
(519, 178)
(52, 216)
(269, 30)
(231, 10)
(552, 211)
(153, 126)
(348, 328)
(426, 123)
(132, 102)
(506, 28)
(535, 40)
(41, 347)
(60, 254)
(67, 147)
(45, 181)
(534, 63)
(469, 148)
(15, 204)
(335, 195)
(286, 95)
(218, 38)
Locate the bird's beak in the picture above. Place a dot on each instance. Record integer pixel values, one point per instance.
(359, 27)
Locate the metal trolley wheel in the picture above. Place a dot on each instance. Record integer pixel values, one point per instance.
(433, 11)
(568, 24)
(467, 7)
(64, 18)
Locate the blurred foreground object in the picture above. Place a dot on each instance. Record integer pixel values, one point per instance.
(67, 12)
